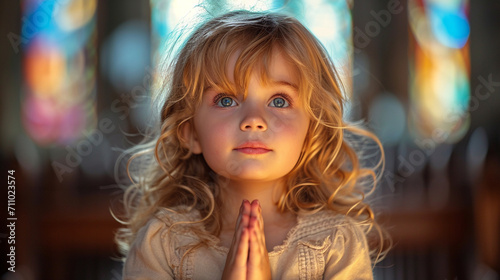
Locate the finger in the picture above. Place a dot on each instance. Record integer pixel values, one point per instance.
(254, 250)
(257, 250)
(236, 262)
(257, 221)
(247, 207)
(255, 208)
(237, 233)
(257, 212)
(244, 221)
(239, 240)
(256, 225)
(258, 233)
(245, 215)
(242, 251)
(260, 236)
(240, 214)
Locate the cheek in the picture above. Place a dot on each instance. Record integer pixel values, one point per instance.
(294, 126)
(213, 136)
(297, 133)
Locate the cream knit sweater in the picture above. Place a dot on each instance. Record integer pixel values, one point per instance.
(324, 245)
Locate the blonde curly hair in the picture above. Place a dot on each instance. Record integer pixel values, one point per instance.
(329, 173)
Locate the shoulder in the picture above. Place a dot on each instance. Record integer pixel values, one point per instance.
(325, 222)
(160, 244)
(326, 245)
(175, 227)
(164, 225)
(148, 256)
(342, 242)
(169, 229)
(178, 215)
(327, 229)
(167, 221)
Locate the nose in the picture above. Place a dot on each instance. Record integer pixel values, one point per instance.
(253, 121)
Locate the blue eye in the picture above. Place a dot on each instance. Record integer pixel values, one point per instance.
(279, 102)
(226, 102)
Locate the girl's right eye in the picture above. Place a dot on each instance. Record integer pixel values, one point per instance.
(225, 101)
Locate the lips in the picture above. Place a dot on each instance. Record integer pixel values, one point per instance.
(253, 147)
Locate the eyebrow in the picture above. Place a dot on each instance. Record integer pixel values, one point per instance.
(285, 83)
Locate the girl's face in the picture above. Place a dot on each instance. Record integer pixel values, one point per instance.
(259, 138)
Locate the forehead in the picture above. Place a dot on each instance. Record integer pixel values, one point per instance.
(276, 68)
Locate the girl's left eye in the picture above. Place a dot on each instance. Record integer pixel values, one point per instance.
(279, 102)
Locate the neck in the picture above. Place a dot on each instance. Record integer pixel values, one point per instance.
(234, 192)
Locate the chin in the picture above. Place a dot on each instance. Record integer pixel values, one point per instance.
(256, 175)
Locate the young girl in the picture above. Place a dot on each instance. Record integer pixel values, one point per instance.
(251, 175)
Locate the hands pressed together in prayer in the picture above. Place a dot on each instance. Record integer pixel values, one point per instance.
(248, 257)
